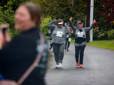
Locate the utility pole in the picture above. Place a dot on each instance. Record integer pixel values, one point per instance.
(91, 18)
(72, 2)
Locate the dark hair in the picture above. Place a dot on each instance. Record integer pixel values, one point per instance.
(35, 12)
(59, 20)
(79, 21)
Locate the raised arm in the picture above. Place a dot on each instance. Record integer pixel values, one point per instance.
(89, 28)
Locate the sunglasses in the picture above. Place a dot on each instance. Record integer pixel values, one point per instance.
(79, 23)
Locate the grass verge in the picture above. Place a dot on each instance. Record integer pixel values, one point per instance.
(106, 44)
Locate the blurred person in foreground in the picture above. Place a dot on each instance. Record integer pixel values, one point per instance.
(20, 53)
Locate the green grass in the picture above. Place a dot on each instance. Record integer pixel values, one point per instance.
(107, 44)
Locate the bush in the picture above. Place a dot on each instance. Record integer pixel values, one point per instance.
(99, 34)
(44, 24)
(7, 16)
(110, 34)
(7, 10)
(102, 36)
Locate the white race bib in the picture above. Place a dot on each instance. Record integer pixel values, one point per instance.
(80, 34)
(59, 34)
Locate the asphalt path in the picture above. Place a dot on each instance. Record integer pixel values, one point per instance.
(99, 69)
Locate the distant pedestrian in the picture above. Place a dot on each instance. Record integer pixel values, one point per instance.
(80, 42)
(58, 38)
(68, 37)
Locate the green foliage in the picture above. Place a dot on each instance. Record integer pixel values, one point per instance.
(107, 44)
(58, 9)
(1, 16)
(44, 24)
(7, 16)
(63, 8)
(110, 34)
(7, 11)
(104, 35)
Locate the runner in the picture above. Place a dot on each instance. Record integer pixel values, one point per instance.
(68, 36)
(80, 42)
(58, 38)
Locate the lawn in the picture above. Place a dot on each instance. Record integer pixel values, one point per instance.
(107, 44)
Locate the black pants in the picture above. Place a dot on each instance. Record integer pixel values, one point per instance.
(51, 45)
(67, 44)
(79, 53)
(58, 52)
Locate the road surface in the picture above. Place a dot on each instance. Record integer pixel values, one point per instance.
(99, 69)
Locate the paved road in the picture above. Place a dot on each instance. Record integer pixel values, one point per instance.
(99, 69)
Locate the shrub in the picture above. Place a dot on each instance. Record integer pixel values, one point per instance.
(102, 35)
(44, 24)
(110, 34)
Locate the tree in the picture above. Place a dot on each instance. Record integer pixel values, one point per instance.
(63, 8)
(7, 10)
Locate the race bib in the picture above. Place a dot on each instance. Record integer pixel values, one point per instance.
(80, 34)
(59, 34)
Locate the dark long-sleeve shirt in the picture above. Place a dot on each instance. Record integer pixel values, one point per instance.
(19, 54)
